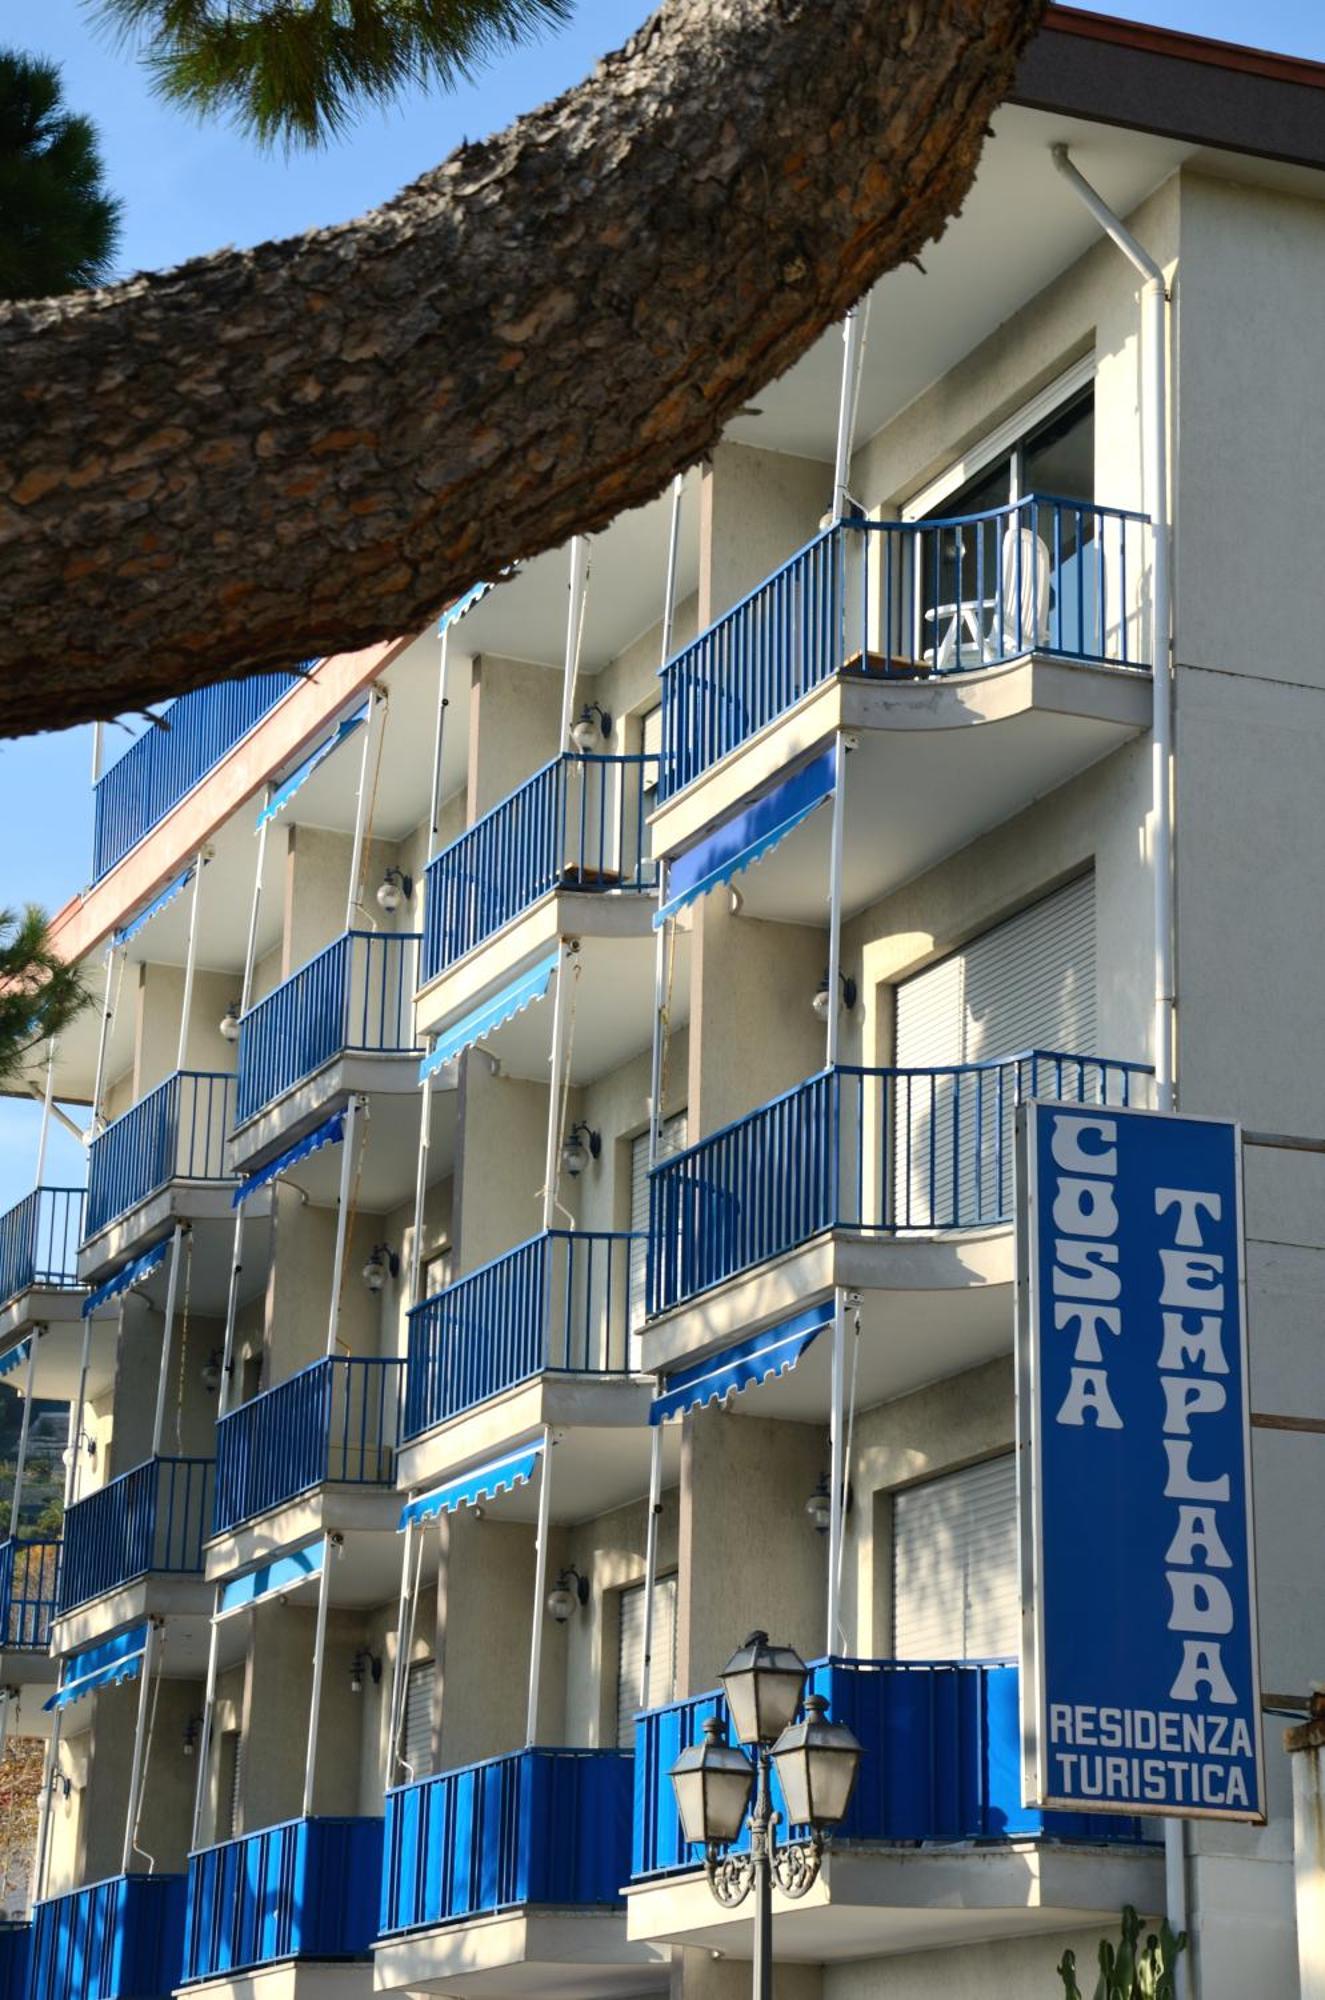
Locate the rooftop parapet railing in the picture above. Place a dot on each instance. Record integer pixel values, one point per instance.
(879, 1151)
(29, 1575)
(579, 823)
(355, 998)
(335, 1421)
(557, 1302)
(177, 1132)
(307, 1889)
(903, 599)
(39, 1239)
(153, 1519)
(941, 1761)
(164, 764)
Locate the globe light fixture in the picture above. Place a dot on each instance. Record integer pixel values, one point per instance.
(591, 727)
(393, 890)
(581, 1146)
(568, 1594)
(382, 1263)
(819, 1506)
(229, 1023)
(846, 998)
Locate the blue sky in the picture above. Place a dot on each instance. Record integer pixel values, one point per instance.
(189, 187)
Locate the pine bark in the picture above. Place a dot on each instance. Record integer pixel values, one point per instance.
(312, 446)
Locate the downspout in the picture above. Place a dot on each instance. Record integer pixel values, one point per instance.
(1155, 474)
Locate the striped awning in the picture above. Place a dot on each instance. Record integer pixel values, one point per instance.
(773, 1351)
(14, 1357)
(455, 612)
(283, 794)
(115, 1660)
(128, 1274)
(157, 904)
(745, 837)
(500, 1475)
(271, 1579)
(485, 1020)
(329, 1133)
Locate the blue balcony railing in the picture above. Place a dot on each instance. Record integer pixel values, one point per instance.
(881, 1151)
(558, 1302)
(941, 1744)
(579, 823)
(308, 1889)
(168, 760)
(537, 1827)
(39, 1240)
(154, 1519)
(904, 598)
(15, 1958)
(29, 1578)
(176, 1133)
(115, 1940)
(354, 998)
(335, 1421)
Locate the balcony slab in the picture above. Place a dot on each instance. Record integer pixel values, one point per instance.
(875, 1902)
(38, 1306)
(301, 1107)
(528, 1954)
(293, 1980)
(159, 1595)
(179, 1201)
(325, 1510)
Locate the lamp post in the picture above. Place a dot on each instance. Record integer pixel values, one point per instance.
(816, 1762)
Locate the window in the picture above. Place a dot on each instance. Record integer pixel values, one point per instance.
(955, 1588)
(671, 1139)
(630, 1654)
(420, 1684)
(229, 1777)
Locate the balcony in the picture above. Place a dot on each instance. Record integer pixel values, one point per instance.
(517, 1862)
(889, 1154)
(176, 1133)
(39, 1240)
(148, 1522)
(354, 999)
(29, 1573)
(306, 1890)
(163, 764)
(894, 600)
(116, 1940)
(334, 1423)
(578, 825)
(937, 1846)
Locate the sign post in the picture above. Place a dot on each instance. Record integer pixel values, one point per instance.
(1140, 1681)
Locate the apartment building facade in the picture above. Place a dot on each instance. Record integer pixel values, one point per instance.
(550, 1182)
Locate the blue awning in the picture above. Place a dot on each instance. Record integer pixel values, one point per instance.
(455, 612)
(115, 1660)
(128, 1274)
(500, 1475)
(775, 1351)
(158, 902)
(485, 1020)
(281, 1574)
(329, 1133)
(283, 794)
(15, 1356)
(746, 836)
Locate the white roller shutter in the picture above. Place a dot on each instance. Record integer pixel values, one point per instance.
(672, 1139)
(651, 743)
(420, 1682)
(630, 1654)
(955, 1588)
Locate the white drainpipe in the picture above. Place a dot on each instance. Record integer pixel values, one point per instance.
(1155, 449)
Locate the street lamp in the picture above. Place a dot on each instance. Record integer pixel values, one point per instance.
(816, 1762)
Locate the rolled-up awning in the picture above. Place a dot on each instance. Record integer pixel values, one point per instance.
(283, 794)
(329, 1133)
(500, 1475)
(128, 1274)
(271, 1579)
(115, 1660)
(485, 1020)
(773, 1351)
(14, 1357)
(747, 835)
(455, 612)
(158, 903)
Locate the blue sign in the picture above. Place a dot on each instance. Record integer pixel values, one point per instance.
(1140, 1686)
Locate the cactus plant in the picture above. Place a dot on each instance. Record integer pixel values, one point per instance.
(1130, 1970)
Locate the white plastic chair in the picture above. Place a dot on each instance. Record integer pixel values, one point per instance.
(1024, 603)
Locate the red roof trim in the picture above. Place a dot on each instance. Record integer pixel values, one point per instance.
(1183, 47)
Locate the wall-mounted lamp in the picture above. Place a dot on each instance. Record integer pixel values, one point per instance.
(846, 995)
(210, 1372)
(581, 1145)
(362, 1665)
(192, 1731)
(86, 1439)
(382, 1263)
(819, 1506)
(569, 1592)
(394, 889)
(229, 1023)
(592, 725)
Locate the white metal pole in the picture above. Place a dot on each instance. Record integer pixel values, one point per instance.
(540, 1590)
(673, 553)
(837, 1473)
(400, 1675)
(251, 946)
(342, 1219)
(139, 1748)
(172, 1293)
(651, 1557)
(204, 1744)
(661, 940)
(852, 347)
(49, 1769)
(556, 1086)
(439, 742)
(98, 749)
(103, 1039)
(76, 1421)
(319, 1661)
(190, 962)
(231, 1314)
(421, 1183)
(4, 1720)
(48, 1097)
(376, 703)
(835, 899)
(574, 615)
(21, 1464)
